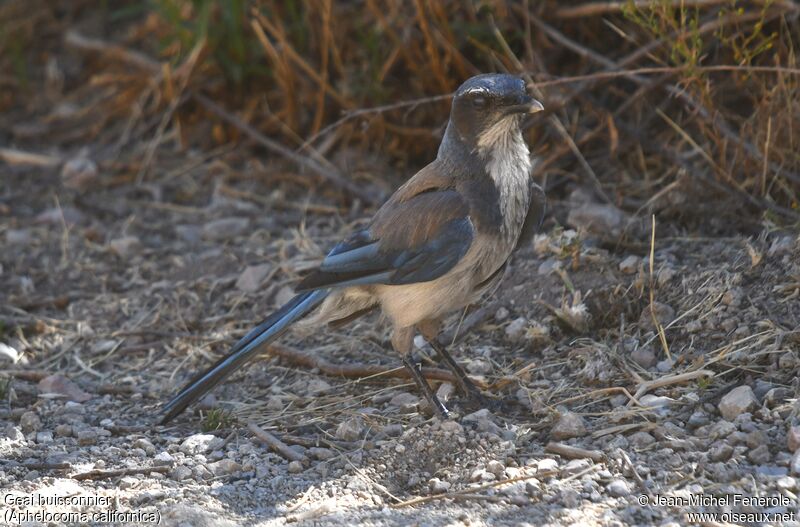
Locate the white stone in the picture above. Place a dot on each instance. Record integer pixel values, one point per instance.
(547, 465)
(738, 401)
(438, 486)
(618, 488)
(164, 458)
(200, 444)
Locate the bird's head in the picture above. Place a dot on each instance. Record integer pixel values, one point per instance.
(488, 106)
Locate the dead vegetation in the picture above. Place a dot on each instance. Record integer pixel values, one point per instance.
(173, 167)
(648, 102)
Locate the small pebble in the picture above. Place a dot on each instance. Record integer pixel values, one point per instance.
(759, 455)
(163, 458)
(576, 465)
(547, 465)
(722, 452)
(145, 445)
(793, 438)
(180, 473)
(200, 444)
(321, 453)
(452, 427)
(405, 401)
(393, 430)
(515, 330)
(786, 483)
(63, 430)
(794, 463)
(86, 437)
(644, 357)
(738, 401)
(664, 315)
(618, 488)
(30, 422)
(224, 467)
(641, 440)
(756, 438)
(437, 486)
(665, 365)
(569, 425)
(350, 430)
(630, 264)
(496, 468)
(128, 482)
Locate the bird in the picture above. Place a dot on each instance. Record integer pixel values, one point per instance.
(437, 245)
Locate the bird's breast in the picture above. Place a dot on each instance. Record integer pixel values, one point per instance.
(509, 168)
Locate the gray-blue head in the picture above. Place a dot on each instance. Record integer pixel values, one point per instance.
(484, 101)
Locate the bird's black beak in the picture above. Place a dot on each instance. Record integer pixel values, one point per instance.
(525, 104)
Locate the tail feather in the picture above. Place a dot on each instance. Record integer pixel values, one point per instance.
(270, 329)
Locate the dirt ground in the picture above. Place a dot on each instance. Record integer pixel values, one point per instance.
(110, 300)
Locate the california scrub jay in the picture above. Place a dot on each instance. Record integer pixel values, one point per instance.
(441, 241)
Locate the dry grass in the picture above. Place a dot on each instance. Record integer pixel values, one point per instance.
(653, 104)
(687, 110)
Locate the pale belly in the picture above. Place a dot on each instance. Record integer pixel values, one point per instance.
(408, 305)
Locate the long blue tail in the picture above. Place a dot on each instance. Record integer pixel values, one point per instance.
(273, 327)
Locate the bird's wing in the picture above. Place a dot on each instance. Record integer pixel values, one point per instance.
(535, 216)
(417, 236)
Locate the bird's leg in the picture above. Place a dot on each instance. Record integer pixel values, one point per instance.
(403, 342)
(430, 332)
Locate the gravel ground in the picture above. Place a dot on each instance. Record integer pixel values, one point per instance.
(628, 396)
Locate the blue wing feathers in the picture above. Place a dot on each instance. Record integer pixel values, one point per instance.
(373, 263)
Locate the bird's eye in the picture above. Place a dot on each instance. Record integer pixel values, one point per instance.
(479, 101)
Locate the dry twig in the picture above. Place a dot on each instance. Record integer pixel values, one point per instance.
(115, 473)
(357, 371)
(668, 380)
(573, 452)
(274, 443)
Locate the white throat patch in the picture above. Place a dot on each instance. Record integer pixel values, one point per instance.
(508, 162)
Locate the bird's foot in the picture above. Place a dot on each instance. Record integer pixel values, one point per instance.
(414, 368)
